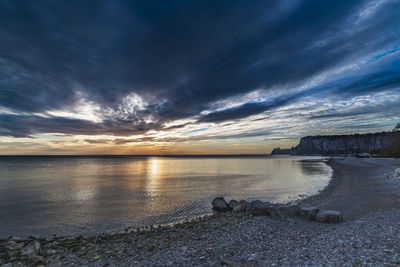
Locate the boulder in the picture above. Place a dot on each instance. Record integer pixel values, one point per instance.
(273, 211)
(329, 216)
(12, 245)
(397, 173)
(288, 210)
(16, 239)
(32, 248)
(232, 203)
(308, 213)
(241, 206)
(35, 260)
(257, 208)
(219, 204)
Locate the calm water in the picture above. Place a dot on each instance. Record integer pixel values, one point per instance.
(88, 195)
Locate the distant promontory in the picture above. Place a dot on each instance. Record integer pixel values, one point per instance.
(380, 144)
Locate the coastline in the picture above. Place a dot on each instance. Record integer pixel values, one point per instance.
(359, 188)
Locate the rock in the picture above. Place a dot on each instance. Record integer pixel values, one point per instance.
(36, 260)
(329, 216)
(273, 211)
(232, 203)
(288, 210)
(32, 248)
(396, 173)
(252, 257)
(16, 239)
(257, 208)
(308, 213)
(224, 262)
(241, 206)
(219, 204)
(12, 245)
(12, 253)
(364, 155)
(51, 252)
(96, 257)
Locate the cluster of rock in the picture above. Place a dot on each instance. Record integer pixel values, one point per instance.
(28, 251)
(259, 208)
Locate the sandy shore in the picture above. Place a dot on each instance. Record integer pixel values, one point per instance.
(369, 235)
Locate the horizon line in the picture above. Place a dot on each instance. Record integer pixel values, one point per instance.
(132, 155)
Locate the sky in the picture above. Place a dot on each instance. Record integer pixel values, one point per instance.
(194, 77)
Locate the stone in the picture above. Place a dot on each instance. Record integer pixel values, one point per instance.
(36, 260)
(364, 155)
(258, 207)
(288, 210)
(252, 257)
(32, 248)
(16, 239)
(12, 253)
(273, 211)
(329, 216)
(219, 204)
(397, 173)
(12, 245)
(51, 252)
(224, 262)
(232, 203)
(308, 213)
(241, 206)
(96, 257)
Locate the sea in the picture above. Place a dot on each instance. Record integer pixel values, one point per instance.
(89, 195)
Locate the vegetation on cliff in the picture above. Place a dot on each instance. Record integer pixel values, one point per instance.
(393, 149)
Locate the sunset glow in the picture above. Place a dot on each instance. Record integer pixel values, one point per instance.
(147, 83)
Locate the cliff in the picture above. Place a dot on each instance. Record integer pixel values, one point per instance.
(342, 144)
(384, 144)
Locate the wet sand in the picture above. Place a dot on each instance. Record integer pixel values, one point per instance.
(359, 186)
(368, 236)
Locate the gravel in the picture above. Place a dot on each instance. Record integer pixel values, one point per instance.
(368, 236)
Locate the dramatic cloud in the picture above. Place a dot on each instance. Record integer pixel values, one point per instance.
(174, 71)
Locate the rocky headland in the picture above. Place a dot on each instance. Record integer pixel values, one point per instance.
(383, 144)
(366, 192)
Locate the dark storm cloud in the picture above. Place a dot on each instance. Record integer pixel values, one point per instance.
(181, 57)
(389, 79)
(27, 125)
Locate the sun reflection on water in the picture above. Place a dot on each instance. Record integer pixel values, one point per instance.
(152, 185)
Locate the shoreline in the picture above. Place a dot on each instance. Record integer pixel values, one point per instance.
(358, 188)
(291, 200)
(50, 232)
